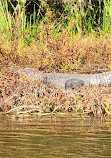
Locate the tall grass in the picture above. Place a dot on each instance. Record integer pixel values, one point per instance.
(71, 19)
(5, 19)
(107, 16)
(16, 24)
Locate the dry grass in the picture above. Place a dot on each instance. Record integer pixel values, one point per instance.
(75, 54)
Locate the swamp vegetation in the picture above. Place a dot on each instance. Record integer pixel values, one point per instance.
(70, 36)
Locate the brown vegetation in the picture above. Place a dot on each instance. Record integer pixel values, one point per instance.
(48, 53)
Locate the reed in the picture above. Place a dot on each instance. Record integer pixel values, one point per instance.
(74, 19)
(107, 16)
(5, 19)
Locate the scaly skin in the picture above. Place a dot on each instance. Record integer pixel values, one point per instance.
(66, 80)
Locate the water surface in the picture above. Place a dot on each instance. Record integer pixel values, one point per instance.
(67, 136)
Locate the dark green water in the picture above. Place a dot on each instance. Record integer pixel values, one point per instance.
(55, 137)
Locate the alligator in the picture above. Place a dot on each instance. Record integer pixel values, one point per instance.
(67, 80)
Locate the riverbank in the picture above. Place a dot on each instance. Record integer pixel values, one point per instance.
(20, 96)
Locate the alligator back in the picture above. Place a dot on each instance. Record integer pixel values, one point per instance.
(67, 80)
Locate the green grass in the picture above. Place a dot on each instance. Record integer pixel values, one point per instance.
(107, 16)
(5, 20)
(71, 20)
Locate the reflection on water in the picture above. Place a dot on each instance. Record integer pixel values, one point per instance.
(65, 136)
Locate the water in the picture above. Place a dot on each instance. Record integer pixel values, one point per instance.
(59, 136)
